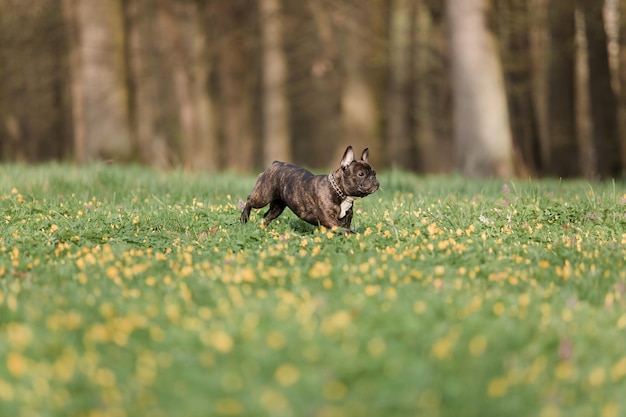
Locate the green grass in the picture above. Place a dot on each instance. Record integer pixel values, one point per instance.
(130, 292)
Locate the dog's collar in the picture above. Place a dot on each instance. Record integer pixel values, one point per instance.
(333, 183)
(346, 201)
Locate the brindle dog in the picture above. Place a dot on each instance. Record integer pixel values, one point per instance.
(317, 199)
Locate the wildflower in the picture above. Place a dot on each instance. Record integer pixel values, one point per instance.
(618, 371)
(597, 376)
(376, 347)
(16, 364)
(221, 341)
(334, 390)
(419, 307)
(273, 401)
(610, 409)
(485, 220)
(229, 407)
(497, 387)
(286, 375)
(477, 345)
(275, 340)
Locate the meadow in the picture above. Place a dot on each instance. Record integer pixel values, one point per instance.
(130, 292)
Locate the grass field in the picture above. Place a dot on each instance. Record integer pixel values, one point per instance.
(130, 292)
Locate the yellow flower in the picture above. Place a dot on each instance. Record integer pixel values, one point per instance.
(419, 307)
(376, 347)
(497, 387)
(597, 376)
(334, 390)
(524, 300)
(564, 370)
(221, 341)
(16, 364)
(543, 264)
(477, 345)
(286, 375)
(275, 340)
(19, 335)
(610, 409)
(498, 308)
(273, 401)
(371, 290)
(618, 371)
(229, 407)
(320, 269)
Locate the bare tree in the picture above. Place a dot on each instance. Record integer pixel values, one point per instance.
(359, 112)
(431, 89)
(481, 121)
(603, 103)
(143, 81)
(316, 80)
(233, 70)
(98, 79)
(622, 79)
(33, 123)
(564, 152)
(514, 29)
(185, 44)
(399, 145)
(276, 133)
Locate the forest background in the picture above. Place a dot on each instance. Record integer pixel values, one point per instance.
(482, 87)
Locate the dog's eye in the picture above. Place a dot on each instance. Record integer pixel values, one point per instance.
(361, 174)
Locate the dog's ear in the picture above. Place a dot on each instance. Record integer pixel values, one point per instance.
(348, 157)
(365, 155)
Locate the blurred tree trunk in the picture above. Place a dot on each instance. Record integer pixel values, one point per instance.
(33, 93)
(235, 93)
(514, 21)
(603, 103)
(143, 81)
(359, 112)
(564, 154)
(400, 149)
(100, 114)
(431, 89)
(185, 45)
(539, 64)
(315, 72)
(481, 122)
(276, 134)
(622, 79)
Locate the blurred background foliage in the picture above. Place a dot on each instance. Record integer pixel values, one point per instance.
(483, 87)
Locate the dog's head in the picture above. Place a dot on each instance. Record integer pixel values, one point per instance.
(358, 177)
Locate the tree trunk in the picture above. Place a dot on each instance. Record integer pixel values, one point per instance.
(185, 45)
(276, 134)
(622, 79)
(316, 70)
(33, 88)
(143, 82)
(400, 149)
(564, 153)
(481, 122)
(235, 92)
(514, 18)
(431, 90)
(359, 112)
(603, 102)
(99, 90)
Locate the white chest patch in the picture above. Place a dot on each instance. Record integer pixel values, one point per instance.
(345, 206)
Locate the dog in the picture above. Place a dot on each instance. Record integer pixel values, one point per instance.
(317, 199)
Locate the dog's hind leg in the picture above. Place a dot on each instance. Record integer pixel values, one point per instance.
(276, 208)
(254, 201)
(245, 213)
